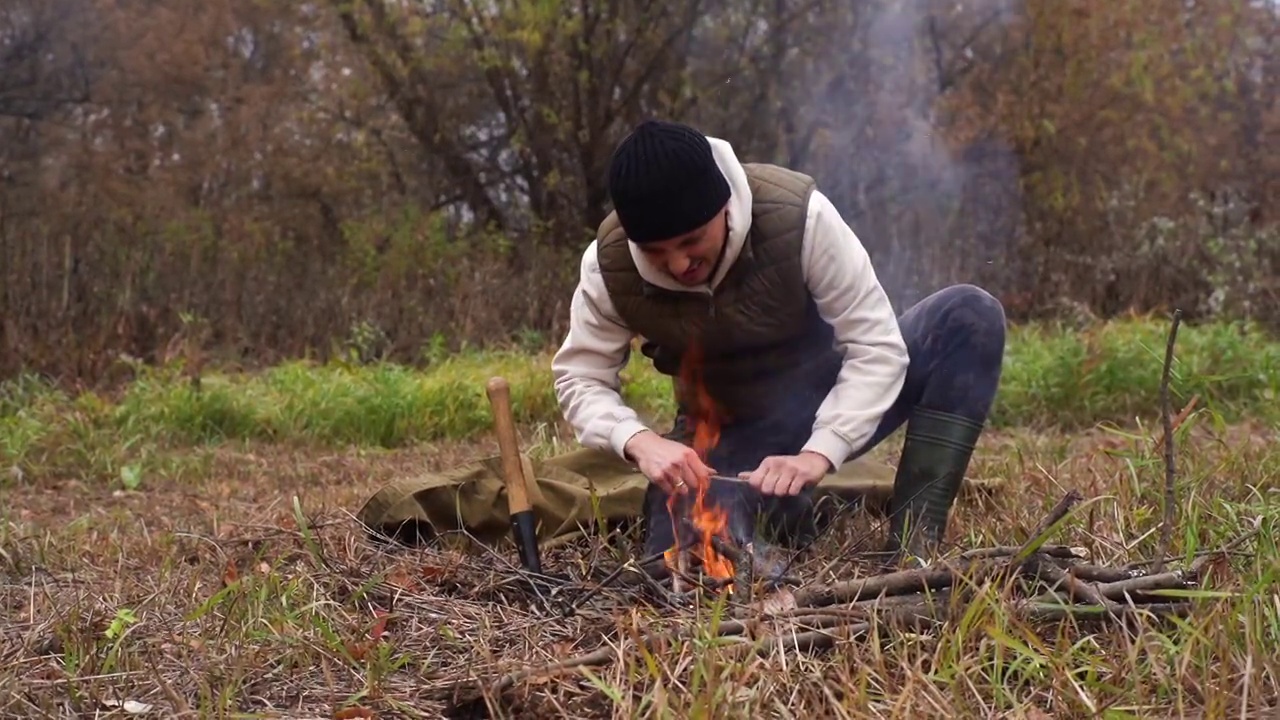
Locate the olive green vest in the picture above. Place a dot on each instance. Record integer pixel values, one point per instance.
(760, 332)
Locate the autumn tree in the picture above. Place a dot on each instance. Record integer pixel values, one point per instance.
(252, 181)
(1141, 132)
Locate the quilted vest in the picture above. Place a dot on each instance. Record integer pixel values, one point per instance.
(760, 334)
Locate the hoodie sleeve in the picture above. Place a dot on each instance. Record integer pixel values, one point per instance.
(849, 296)
(586, 368)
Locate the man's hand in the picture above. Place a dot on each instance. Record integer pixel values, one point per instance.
(671, 466)
(788, 474)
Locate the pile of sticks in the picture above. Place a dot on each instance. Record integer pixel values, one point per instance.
(1035, 582)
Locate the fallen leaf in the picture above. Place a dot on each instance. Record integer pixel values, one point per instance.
(230, 574)
(132, 707)
(778, 602)
(400, 578)
(379, 625)
(357, 650)
(353, 712)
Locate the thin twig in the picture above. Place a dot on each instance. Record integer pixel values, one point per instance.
(1170, 476)
(1058, 512)
(581, 600)
(1204, 558)
(664, 596)
(902, 582)
(1061, 552)
(1231, 548)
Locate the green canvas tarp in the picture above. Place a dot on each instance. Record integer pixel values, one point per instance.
(570, 493)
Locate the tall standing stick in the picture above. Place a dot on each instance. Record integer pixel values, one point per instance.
(523, 521)
(1166, 412)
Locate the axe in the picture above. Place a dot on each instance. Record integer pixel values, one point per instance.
(523, 530)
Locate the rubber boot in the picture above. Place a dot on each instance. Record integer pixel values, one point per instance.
(935, 457)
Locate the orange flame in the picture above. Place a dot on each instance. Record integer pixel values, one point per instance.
(709, 520)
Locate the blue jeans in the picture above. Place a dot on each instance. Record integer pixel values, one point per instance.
(955, 340)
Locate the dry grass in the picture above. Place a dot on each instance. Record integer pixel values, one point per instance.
(201, 597)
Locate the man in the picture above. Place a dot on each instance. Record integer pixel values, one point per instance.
(802, 352)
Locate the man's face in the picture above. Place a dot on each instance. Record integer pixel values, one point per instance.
(690, 258)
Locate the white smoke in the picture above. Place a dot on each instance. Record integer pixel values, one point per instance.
(915, 197)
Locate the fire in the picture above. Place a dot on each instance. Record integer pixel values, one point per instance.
(708, 520)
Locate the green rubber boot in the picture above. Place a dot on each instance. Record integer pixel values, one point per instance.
(934, 460)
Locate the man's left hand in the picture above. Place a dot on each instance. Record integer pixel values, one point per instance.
(787, 474)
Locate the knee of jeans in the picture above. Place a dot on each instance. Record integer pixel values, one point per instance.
(977, 314)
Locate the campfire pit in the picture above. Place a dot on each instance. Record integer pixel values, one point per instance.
(712, 530)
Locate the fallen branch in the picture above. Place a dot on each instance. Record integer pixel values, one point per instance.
(665, 597)
(1054, 551)
(903, 582)
(979, 567)
(1077, 589)
(743, 561)
(1123, 589)
(1102, 573)
(818, 617)
(1170, 476)
(601, 656)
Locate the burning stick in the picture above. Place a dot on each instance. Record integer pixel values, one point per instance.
(707, 522)
(681, 569)
(743, 565)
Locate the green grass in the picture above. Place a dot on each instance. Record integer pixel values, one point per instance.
(1054, 377)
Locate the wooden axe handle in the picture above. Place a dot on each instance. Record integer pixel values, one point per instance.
(512, 469)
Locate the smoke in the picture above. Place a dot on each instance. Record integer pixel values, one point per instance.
(931, 213)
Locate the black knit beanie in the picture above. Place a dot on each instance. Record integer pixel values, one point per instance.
(664, 181)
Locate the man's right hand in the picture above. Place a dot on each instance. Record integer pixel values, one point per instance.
(670, 465)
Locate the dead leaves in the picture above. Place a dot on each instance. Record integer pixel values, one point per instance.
(411, 579)
(359, 650)
(230, 574)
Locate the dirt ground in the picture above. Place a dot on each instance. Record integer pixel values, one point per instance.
(199, 596)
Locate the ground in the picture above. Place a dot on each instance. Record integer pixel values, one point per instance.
(199, 596)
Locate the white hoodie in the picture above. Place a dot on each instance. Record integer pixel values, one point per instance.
(848, 294)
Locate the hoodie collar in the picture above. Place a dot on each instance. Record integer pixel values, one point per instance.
(739, 225)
